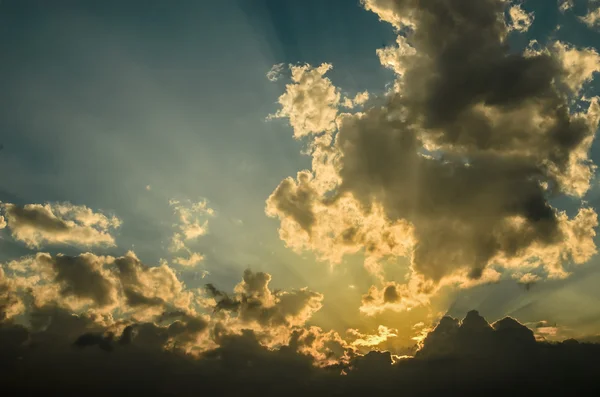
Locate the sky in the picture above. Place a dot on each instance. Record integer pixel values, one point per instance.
(331, 177)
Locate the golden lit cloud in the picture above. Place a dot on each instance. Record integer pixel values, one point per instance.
(446, 174)
(310, 102)
(521, 20)
(59, 223)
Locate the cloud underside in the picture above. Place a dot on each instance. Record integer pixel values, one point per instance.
(457, 169)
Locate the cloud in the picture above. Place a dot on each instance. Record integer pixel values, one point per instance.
(325, 348)
(456, 170)
(194, 259)
(101, 284)
(565, 5)
(474, 336)
(81, 277)
(310, 102)
(59, 223)
(592, 18)
(470, 357)
(544, 330)
(10, 304)
(191, 224)
(364, 340)
(578, 65)
(275, 72)
(397, 297)
(254, 304)
(521, 19)
(359, 99)
(117, 292)
(2, 222)
(189, 216)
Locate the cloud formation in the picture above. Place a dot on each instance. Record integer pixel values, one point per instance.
(58, 223)
(457, 169)
(275, 72)
(359, 100)
(470, 357)
(592, 18)
(565, 5)
(310, 103)
(118, 292)
(191, 224)
(521, 19)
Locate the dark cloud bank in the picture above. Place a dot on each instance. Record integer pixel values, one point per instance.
(467, 357)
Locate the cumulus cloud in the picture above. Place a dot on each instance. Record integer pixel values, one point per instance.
(272, 314)
(578, 65)
(118, 292)
(10, 303)
(59, 223)
(359, 99)
(521, 19)
(102, 284)
(456, 171)
(310, 101)
(366, 340)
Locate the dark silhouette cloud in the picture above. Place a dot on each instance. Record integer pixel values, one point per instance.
(467, 357)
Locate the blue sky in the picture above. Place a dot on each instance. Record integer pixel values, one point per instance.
(102, 99)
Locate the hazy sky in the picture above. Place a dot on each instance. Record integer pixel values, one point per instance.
(145, 127)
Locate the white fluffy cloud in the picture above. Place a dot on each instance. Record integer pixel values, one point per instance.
(59, 223)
